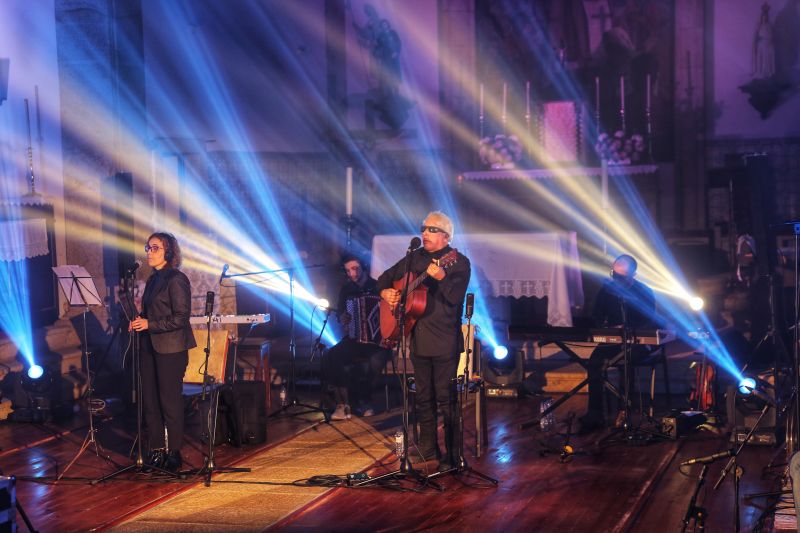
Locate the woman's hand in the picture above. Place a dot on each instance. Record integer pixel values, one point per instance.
(138, 324)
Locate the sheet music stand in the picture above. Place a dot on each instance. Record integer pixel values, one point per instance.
(80, 290)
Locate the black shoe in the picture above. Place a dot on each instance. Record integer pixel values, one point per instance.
(155, 459)
(590, 422)
(173, 461)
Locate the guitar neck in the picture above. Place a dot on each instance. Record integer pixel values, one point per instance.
(417, 282)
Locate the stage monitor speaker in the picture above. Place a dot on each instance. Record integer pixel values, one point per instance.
(249, 413)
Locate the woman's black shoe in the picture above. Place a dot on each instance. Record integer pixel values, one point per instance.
(156, 458)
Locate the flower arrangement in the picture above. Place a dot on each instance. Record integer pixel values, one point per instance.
(619, 149)
(500, 151)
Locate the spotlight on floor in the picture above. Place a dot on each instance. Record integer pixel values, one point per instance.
(747, 385)
(500, 352)
(696, 303)
(504, 375)
(35, 371)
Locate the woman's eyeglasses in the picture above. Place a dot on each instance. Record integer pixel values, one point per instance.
(151, 248)
(431, 229)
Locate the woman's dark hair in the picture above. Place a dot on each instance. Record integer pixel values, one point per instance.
(172, 250)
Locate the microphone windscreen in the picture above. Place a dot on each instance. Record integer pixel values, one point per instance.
(209, 303)
(415, 243)
(470, 304)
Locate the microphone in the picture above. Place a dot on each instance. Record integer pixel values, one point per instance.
(209, 303)
(224, 271)
(708, 458)
(415, 243)
(133, 268)
(470, 305)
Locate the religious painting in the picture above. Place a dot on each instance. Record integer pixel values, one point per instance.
(614, 57)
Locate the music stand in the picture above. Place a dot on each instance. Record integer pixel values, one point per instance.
(79, 288)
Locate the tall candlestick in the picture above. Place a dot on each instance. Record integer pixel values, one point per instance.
(505, 95)
(528, 98)
(349, 192)
(597, 92)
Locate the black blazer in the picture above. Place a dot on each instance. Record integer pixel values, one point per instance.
(167, 305)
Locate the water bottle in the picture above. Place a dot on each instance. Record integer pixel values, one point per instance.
(282, 395)
(398, 444)
(548, 421)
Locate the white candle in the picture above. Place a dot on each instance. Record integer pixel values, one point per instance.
(622, 92)
(480, 114)
(597, 93)
(647, 92)
(349, 192)
(527, 98)
(505, 94)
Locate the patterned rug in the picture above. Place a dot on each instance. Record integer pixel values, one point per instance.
(246, 502)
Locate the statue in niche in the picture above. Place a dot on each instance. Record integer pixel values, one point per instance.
(384, 45)
(763, 47)
(768, 87)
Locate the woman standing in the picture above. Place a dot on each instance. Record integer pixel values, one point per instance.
(163, 349)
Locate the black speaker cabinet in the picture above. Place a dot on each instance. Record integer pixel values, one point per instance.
(249, 413)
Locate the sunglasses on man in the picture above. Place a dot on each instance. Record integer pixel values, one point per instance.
(431, 229)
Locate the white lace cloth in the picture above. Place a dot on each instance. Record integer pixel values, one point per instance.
(515, 264)
(23, 239)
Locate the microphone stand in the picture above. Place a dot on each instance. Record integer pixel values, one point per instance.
(129, 307)
(462, 466)
(209, 467)
(317, 346)
(737, 469)
(405, 470)
(292, 400)
(693, 511)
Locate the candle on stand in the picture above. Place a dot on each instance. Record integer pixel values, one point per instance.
(348, 195)
(597, 93)
(647, 92)
(528, 98)
(505, 94)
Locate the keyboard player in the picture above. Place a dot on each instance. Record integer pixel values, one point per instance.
(622, 302)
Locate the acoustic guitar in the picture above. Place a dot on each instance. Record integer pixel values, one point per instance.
(415, 304)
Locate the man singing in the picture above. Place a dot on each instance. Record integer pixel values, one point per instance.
(436, 339)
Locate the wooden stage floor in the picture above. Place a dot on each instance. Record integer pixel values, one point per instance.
(614, 488)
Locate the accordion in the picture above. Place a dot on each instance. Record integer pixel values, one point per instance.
(365, 319)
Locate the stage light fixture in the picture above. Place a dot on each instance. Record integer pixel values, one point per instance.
(35, 371)
(500, 352)
(696, 303)
(747, 385)
(324, 304)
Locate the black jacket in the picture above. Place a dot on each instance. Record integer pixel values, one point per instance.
(167, 305)
(438, 331)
